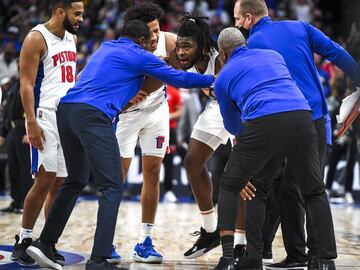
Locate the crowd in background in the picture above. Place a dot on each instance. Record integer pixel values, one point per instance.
(103, 20)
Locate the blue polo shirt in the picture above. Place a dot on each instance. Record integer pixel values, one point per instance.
(116, 72)
(255, 83)
(296, 41)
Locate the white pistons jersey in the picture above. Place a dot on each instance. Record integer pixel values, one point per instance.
(209, 128)
(56, 72)
(158, 96)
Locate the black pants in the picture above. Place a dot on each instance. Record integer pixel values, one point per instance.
(291, 213)
(290, 136)
(88, 142)
(336, 153)
(219, 160)
(19, 165)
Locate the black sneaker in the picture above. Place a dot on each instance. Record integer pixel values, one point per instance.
(245, 263)
(12, 209)
(58, 257)
(287, 264)
(239, 251)
(225, 264)
(43, 255)
(316, 264)
(19, 252)
(205, 243)
(105, 265)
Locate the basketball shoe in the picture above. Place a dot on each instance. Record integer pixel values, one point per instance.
(19, 253)
(115, 257)
(145, 252)
(43, 254)
(205, 243)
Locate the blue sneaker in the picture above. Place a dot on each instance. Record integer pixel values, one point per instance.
(115, 257)
(145, 252)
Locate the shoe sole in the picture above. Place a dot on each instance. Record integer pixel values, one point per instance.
(201, 252)
(41, 259)
(267, 261)
(114, 260)
(286, 268)
(150, 259)
(196, 254)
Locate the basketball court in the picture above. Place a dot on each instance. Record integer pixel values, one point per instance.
(175, 223)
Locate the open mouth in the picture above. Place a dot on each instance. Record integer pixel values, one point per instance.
(184, 62)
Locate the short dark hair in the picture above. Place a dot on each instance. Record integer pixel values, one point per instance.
(135, 29)
(62, 3)
(196, 27)
(254, 7)
(146, 12)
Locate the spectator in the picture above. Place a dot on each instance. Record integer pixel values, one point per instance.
(8, 63)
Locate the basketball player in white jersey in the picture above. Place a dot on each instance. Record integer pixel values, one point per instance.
(47, 71)
(196, 52)
(147, 121)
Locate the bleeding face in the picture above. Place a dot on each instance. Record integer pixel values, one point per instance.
(154, 27)
(187, 52)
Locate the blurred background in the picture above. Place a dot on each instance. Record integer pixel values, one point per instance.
(339, 19)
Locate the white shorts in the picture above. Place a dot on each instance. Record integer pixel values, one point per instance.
(150, 125)
(209, 128)
(51, 157)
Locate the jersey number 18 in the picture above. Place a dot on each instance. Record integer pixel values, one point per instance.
(67, 74)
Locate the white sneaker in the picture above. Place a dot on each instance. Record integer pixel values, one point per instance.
(170, 197)
(349, 198)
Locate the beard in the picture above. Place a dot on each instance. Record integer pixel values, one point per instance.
(68, 26)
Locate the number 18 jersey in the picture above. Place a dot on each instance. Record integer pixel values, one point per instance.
(56, 72)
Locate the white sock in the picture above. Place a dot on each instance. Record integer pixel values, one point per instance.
(25, 233)
(239, 238)
(146, 230)
(209, 220)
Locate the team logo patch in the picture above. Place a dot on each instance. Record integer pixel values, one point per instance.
(160, 141)
(7, 264)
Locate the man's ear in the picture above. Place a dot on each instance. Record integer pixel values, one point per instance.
(223, 55)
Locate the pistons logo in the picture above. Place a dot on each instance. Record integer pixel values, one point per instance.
(160, 141)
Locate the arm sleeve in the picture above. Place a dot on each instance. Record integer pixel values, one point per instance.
(154, 67)
(332, 51)
(229, 110)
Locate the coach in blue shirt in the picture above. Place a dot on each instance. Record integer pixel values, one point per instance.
(255, 85)
(112, 77)
(296, 41)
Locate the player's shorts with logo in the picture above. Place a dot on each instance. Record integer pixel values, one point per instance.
(150, 125)
(51, 157)
(209, 128)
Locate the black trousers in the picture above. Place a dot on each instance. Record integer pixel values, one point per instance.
(337, 151)
(219, 160)
(290, 136)
(88, 142)
(19, 165)
(291, 211)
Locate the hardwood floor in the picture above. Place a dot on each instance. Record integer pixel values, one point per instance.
(172, 236)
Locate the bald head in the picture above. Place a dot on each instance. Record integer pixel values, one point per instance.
(230, 38)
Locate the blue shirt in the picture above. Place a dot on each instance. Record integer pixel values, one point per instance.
(296, 41)
(116, 72)
(255, 83)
